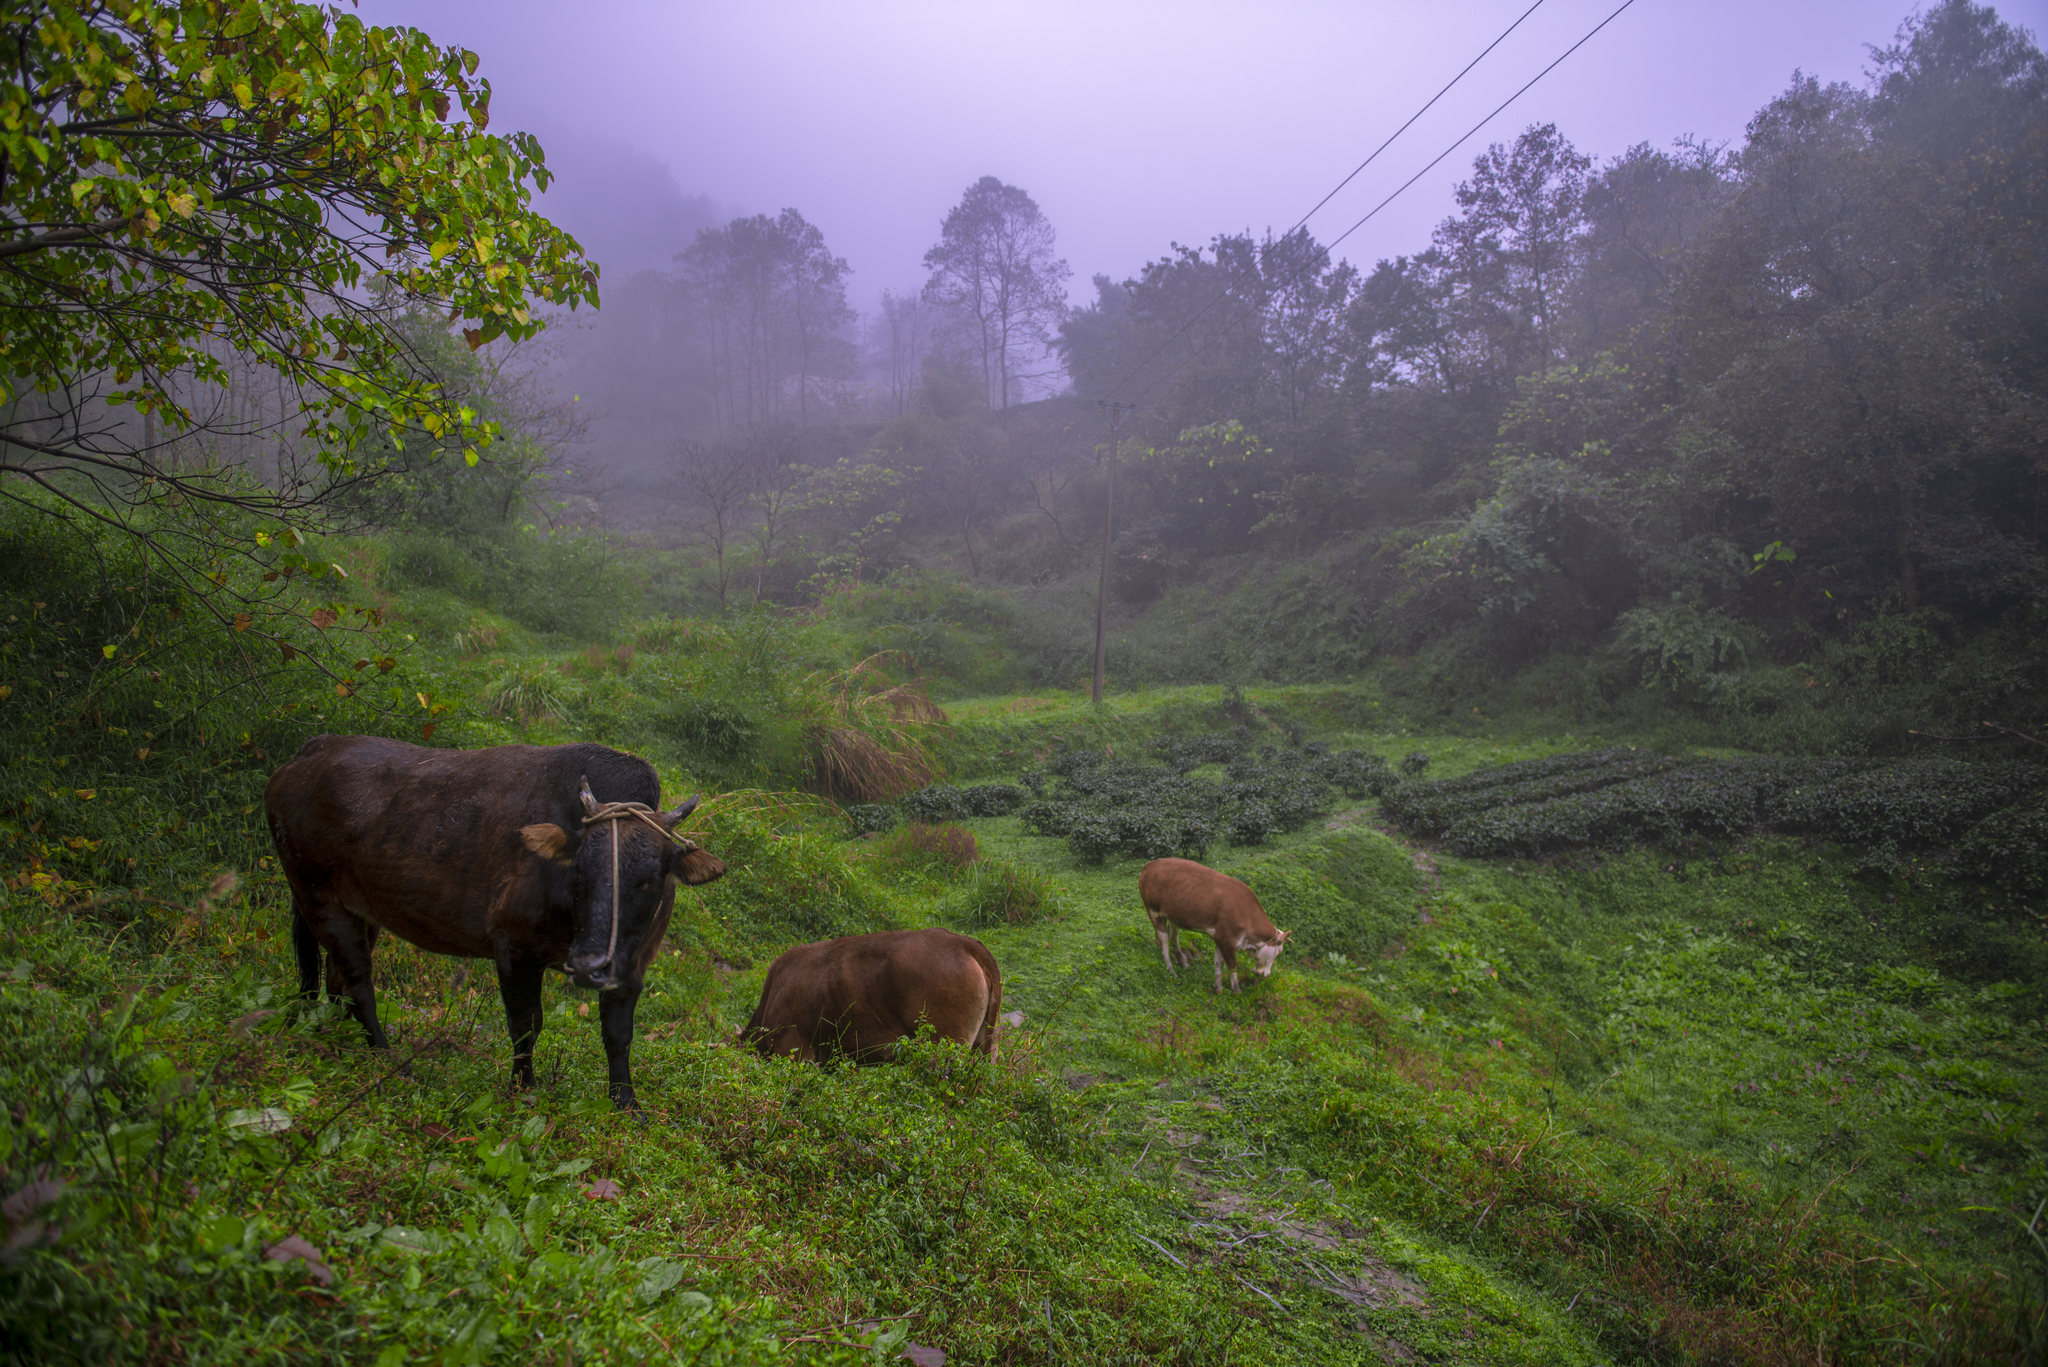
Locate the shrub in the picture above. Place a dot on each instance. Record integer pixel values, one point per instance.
(1047, 818)
(939, 802)
(1105, 805)
(1359, 773)
(871, 818)
(1253, 824)
(1415, 763)
(944, 802)
(992, 799)
(2010, 847)
(1618, 797)
(1430, 809)
(1907, 803)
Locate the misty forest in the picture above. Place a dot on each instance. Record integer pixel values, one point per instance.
(1608, 637)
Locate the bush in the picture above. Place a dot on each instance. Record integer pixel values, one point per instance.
(1906, 803)
(1359, 773)
(2010, 847)
(944, 802)
(1414, 764)
(1618, 797)
(1430, 809)
(871, 818)
(1253, 824)
(939, 802)
(1105, 805)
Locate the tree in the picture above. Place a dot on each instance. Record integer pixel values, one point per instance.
(207, 209)
(905, 338)
(1513, 247)
(994, 266)
(717, 481)
(768, 301)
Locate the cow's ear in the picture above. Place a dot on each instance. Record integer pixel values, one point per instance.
(694, 866)
(547, 840)
(1283, 937)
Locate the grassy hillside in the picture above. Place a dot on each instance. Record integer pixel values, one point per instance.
(1744, 1103)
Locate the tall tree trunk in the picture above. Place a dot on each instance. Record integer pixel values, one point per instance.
(1909, 578)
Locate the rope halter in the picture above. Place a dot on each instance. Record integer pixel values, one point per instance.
(612, 813)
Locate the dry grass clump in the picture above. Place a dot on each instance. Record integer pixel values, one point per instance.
(476, 638)
(596, 660)
(872, 745)
(924, 843)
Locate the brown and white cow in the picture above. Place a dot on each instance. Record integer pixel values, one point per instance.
(859, 995)
(1180, 894)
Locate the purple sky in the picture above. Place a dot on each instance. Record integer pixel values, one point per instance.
(1133, 124)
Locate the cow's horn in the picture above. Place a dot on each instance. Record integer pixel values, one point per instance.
(669, 819)
(589, 802)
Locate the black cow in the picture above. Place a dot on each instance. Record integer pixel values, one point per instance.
(531, 856)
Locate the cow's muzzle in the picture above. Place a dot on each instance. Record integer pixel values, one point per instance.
(593, 973)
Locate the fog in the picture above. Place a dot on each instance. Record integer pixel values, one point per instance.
(1133, 125)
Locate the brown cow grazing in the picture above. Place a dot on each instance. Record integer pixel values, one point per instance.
(1180, 894)
(531, 856)
(858, 996)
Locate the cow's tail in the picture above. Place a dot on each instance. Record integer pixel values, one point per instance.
(750, 1033)
(985, 1038)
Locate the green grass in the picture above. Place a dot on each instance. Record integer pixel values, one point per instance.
(1632, 1108)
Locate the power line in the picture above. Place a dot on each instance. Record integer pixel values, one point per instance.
(1322, 253)
(1224, 293)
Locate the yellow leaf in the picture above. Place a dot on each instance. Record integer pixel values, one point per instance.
(242, 620)
(343, 689)
(85, 794)
(422, 697)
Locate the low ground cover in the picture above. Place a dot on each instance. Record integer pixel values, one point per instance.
(1738, 1101)
(1974, 814)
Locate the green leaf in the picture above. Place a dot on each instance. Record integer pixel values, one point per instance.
(658, 1277)
(220, 1232)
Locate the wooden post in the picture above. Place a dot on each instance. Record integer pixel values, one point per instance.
(1116, 413)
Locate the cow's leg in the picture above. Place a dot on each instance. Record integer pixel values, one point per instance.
(519, 986)
(615, 1015)
(348, 940)
(306, 948)
(1226, 957)
(1166, 936)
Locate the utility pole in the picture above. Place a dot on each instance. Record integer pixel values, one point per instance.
(1115, 413)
